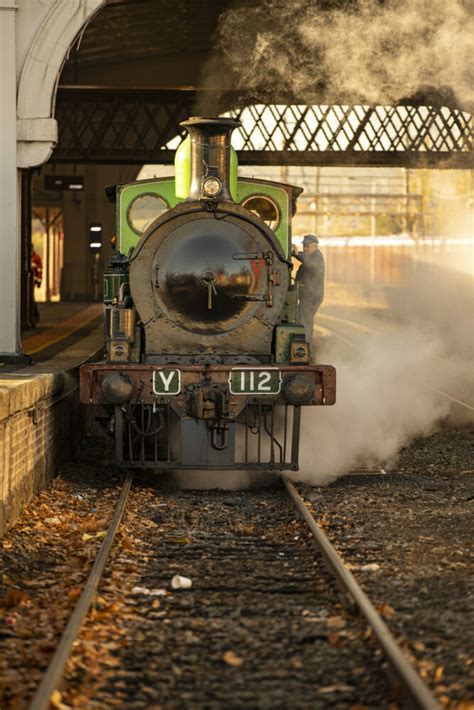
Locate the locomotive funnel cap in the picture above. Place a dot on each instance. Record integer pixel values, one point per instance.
(210, 121)
(210, 157)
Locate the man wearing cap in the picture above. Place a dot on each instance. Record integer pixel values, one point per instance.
(310, 277)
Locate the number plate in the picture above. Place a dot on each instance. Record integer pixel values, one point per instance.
(166, 381)
(247, 381)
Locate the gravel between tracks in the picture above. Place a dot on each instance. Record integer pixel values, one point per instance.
(413, 527)
(261, 627)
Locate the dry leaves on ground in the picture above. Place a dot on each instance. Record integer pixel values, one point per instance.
(232, 659)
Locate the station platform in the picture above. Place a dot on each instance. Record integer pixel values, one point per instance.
(62, 329)
(41, 419)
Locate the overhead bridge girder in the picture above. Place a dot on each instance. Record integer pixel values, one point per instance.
(137, 127)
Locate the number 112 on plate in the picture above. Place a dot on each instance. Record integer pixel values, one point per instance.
(249, 381)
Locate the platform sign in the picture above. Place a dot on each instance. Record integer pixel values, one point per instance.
(166, 381)
(249, 381)
(64, 182)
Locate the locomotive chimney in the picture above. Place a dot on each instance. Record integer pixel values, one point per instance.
(211, 157)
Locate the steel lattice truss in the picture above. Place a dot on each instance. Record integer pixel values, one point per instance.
(100, 126)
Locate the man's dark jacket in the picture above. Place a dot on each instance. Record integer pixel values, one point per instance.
(310, 276)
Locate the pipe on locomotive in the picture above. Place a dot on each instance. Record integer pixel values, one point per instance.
(213, 163)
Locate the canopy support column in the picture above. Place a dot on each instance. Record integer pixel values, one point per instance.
(10, 186)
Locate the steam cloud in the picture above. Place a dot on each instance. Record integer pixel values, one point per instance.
(384, 400)
(386, 392)
(365, 51)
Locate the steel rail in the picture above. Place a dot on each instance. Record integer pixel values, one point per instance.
(413, 684)
(453, 399)
(55, 671)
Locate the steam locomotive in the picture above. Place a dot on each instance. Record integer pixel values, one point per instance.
(206, 364)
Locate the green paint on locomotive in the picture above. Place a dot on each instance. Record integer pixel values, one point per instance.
(128, 197)
(284, 335)
(279, 197)
(112, 284)
(140, 203)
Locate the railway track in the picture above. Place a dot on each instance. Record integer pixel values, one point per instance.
(414, 687)
(252, 561)
(55, 672)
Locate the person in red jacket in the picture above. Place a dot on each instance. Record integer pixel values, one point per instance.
(37, 268)
(37, 271)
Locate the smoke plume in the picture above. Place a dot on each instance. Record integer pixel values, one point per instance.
(360, 51)
(383, 400)
(388, 386)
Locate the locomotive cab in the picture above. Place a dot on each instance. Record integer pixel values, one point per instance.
(206, 362)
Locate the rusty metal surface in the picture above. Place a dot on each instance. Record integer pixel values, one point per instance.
(141, 376)
(169, 331)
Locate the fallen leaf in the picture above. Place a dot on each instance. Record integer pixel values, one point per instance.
(74, 592)
(370, 567)
(94, 536)
(438, 674)
(387, 611)
(314, 619)
(126, 542)
(335, 639)
(94, 524)
(15, 597)
(56, 699)
(336, 622)
(232, 659)
(105, 613)
(111, 662)
(465, 704)
(335, 689)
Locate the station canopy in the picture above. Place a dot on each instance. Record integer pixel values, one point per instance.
(140, 67)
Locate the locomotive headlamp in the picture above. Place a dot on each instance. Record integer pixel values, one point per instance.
(116, 388)
(211, 186)
(297, 389)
